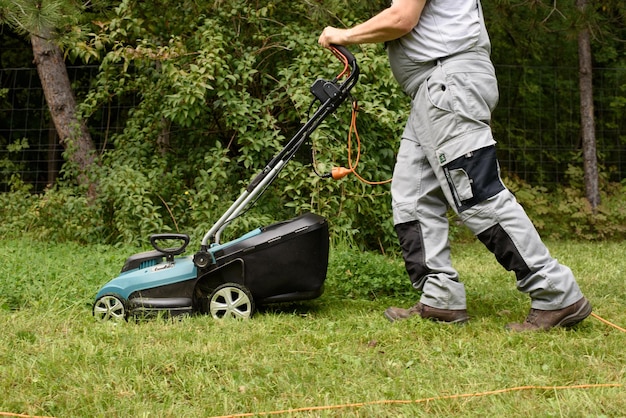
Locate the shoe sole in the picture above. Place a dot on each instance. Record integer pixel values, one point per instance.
(456, 321)
(392, 318)
(583, 312)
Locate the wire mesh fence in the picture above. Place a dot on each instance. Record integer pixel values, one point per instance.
(536, 123)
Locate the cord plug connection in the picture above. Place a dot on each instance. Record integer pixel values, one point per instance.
(340, 172)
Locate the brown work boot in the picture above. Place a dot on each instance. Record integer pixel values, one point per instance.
(427, 312)
(569, 316)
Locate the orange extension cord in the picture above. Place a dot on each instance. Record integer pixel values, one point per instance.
(340, 172)
(389, 402)
(417, 401)
(352, 168)
(599, 318)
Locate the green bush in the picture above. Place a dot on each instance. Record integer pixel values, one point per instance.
(366, 275)
(566, 214)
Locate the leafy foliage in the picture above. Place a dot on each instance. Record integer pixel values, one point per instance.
(213, 89)
(217, 97)
(366, 275)
(565, 213)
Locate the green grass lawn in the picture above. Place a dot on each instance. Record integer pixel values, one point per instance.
(337, 352)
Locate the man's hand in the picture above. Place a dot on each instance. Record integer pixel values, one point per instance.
(331, 35)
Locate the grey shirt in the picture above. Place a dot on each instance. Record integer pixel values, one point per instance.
(446, 28)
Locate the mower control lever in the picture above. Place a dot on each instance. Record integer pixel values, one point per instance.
(324, 90)
(172, 251)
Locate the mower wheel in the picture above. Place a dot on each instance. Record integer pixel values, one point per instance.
(231, 300)
(201, 259)
(109, 307)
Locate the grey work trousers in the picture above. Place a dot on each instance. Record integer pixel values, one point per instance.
(447, 158)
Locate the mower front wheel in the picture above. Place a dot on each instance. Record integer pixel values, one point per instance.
(109, 307)
(231, 300)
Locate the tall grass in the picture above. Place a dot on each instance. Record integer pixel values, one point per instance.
(55, 360)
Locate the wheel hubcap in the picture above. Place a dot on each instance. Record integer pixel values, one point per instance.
(230, 302)
(109, 307)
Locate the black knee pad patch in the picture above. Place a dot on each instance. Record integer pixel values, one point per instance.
(412, 244)
(502, 246)
(474, 177)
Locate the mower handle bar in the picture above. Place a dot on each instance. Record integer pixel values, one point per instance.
(335, 94)
(172, 251)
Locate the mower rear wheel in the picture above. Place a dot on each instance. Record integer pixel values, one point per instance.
(109, 307)
(231, 300)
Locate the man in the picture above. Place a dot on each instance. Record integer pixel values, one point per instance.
(439, 52)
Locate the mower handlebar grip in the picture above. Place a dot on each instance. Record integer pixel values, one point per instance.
(154, 238)
(346, 53)
(347, 85)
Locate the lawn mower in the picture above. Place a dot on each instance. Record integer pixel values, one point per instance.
(283, 262)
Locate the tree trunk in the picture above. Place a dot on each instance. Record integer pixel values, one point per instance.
(588, 132)
(73, 134)
(52, 155)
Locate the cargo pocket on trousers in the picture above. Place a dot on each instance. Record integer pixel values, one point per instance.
(460, 184)
(473, 177)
